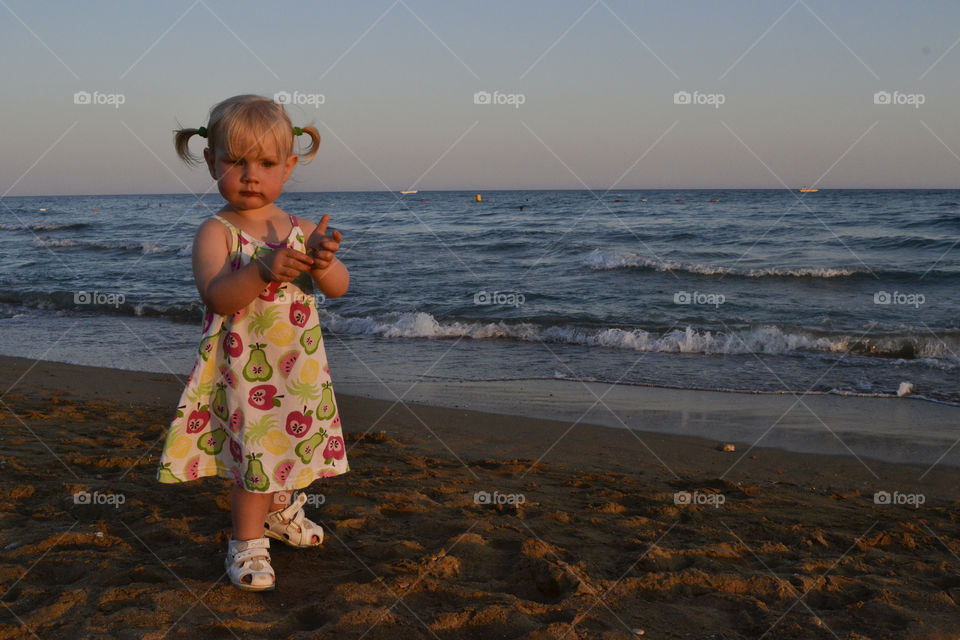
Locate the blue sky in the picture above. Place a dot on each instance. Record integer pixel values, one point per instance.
(796, 81)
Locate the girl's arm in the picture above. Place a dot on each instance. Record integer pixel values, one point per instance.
(225, 291)
(332, 280)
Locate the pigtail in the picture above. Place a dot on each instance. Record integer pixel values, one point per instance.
(181, 142)
(307, 156)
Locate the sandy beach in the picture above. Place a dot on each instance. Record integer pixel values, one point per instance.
(459, 524)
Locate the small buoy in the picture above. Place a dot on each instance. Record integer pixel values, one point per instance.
(479, 199)
(906, 388)
(96, 210)
(678, 200)
(617, 200)
(42, 209)
(714, 201)
(727, 446)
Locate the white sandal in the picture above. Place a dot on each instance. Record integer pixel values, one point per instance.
(248, 564)
(291, 526)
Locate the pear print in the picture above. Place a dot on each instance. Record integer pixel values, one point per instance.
(257, 367)
(310, 340)
(308, 447)
(255, 478)
(208, 346)
(220, 401)
(326, 409)
(165, 475)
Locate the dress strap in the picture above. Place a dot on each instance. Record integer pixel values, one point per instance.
(229, 224)
(235, 243)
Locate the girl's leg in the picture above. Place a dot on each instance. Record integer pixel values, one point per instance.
(249, 513)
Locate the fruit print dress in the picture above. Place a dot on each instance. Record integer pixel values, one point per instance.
(259, 407)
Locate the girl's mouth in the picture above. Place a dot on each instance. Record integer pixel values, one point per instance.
(248, 194)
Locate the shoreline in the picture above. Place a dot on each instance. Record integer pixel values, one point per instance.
(455, 523)
(866, 427)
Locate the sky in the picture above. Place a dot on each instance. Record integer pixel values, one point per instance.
(599, 94)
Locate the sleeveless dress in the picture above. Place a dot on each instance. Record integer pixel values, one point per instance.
(259, 407)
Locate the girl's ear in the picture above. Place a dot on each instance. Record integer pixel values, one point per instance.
(291, 163)
(210, 157)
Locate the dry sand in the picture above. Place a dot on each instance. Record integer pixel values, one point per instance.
(598, 549)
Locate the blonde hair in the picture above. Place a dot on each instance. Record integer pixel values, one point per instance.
(242, 122)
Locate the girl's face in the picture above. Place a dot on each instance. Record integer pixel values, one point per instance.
(253, 181)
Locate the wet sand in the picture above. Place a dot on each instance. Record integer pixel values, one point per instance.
(579, 533)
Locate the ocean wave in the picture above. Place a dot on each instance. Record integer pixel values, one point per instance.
(759, 340)
(603, 260)
(145, 248)
(43, 226)
(13, 302)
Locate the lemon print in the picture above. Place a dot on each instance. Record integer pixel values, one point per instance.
(276, 442)
(309, 371)
(304, 478)
(180, 447)
(206, 373)
(281, 334)
(213, 467)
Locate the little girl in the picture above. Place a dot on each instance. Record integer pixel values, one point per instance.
(258, 407)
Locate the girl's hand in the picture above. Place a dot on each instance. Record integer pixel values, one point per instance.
(283, 265)
(322, 245)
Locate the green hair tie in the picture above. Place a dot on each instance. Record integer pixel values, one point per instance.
(202, 132)
(297, 131)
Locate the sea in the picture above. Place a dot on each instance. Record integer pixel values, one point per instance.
(840, 292)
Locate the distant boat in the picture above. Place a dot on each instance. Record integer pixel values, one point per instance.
(808, 189)
(409, 191)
